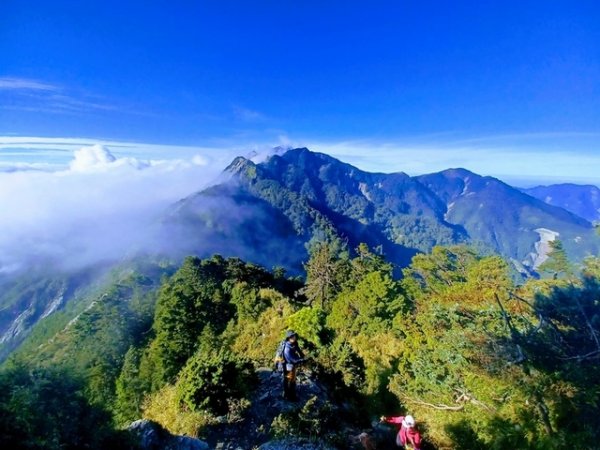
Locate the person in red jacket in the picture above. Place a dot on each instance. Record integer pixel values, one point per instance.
(407, 433)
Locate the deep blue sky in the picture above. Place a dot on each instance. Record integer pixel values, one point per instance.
(195, 72)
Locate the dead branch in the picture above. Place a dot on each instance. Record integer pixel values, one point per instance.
(440, 407)
(595, 353)
(514, 334)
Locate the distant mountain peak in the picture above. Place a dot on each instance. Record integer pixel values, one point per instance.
(260, 156)
(239, 165)
(314, 192)
(459, 172)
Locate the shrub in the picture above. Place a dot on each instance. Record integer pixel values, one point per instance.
(210, 379)
(258, 339)
(164, 408)
(314, 420)
(308, 322)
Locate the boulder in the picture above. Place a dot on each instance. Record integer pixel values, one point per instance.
(151, 436)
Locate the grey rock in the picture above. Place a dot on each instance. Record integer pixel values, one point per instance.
(293, 444)
(151, 436)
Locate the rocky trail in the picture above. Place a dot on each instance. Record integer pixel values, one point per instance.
(253, 427)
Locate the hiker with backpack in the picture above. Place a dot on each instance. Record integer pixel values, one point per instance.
(289, 356)
(407, 432)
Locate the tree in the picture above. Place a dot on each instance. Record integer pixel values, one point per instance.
(191, 299)
(309, 323)
(46, 409)
(366, 308)
(325, 272)
(557, 264)
(435, 271)
(130, 388)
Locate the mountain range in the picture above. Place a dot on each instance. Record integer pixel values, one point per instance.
(291, 198)
(583, 200)
(269, 212)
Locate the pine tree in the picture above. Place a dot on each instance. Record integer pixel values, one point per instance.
(130, 388)
(325, 272)
(190, 300)
(557, 264)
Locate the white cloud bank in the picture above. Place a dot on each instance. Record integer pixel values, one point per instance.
(98, 208)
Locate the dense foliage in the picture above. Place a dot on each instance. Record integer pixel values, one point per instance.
(211, 379)
(46, 409)
(481, 361)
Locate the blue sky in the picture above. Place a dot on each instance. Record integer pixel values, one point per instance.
(401, 85)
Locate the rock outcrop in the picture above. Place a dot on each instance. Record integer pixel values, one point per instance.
(293, 444)
(151, 436)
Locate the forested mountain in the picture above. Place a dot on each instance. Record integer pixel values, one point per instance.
(583, 200)
(506, 220)
(393, 322)
(271, 212)
(480, 361)
(299, 195)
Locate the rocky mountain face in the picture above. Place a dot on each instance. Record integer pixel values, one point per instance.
(25, 299)
(582, 200)
(253, 429)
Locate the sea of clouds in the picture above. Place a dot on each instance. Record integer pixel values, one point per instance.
(95, 209)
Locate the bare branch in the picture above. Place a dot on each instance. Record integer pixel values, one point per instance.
(514, 334)
(590, 355)
(438, 407)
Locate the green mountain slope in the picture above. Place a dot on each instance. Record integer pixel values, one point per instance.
(90, 335)
(506, 220)
(291, 198)
(27, 298)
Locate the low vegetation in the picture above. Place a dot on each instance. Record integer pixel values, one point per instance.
(481, 360)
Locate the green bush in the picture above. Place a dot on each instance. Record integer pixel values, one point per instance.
(164, 408)
(210, 380)
(314, 420)
(309, 323)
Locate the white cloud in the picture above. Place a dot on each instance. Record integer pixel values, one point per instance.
(92, 157)
(27, 84)
(247, 114)
(200, 160)
(26, 94)
(98, 207)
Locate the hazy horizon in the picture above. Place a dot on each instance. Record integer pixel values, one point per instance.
(504, 90)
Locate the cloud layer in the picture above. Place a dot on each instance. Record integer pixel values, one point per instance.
(98, 208)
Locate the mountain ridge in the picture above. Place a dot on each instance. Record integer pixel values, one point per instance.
(580, 199)
(271, 212)
(415, 213)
